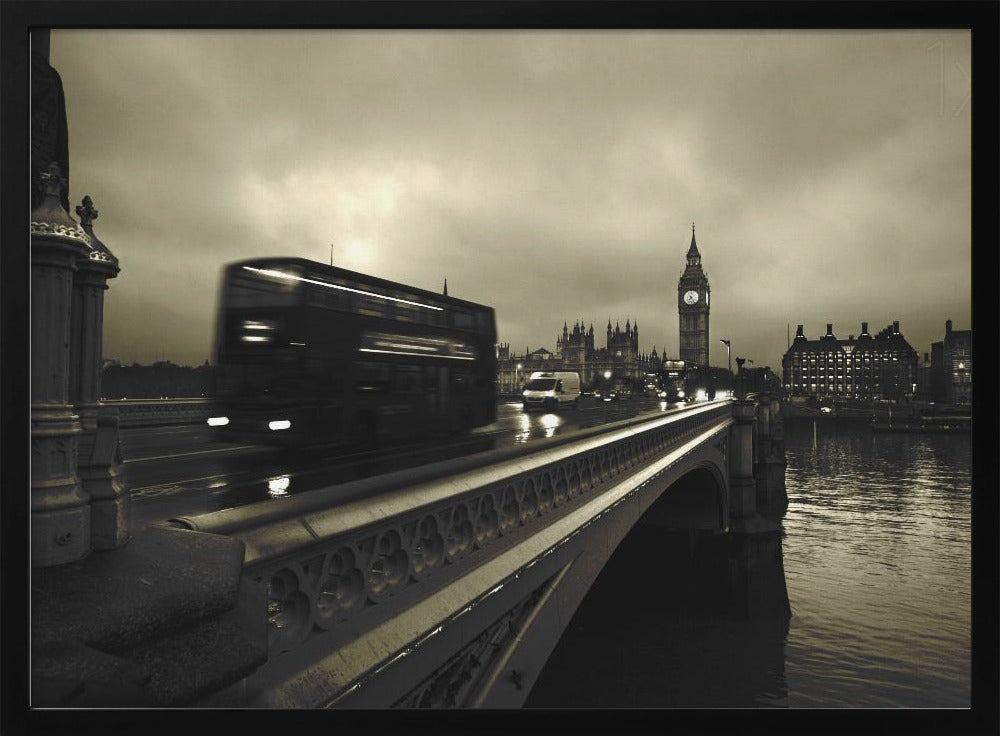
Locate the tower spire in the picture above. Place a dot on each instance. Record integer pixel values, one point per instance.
(693, 250)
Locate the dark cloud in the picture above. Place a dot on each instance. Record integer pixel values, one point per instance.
(553, 175)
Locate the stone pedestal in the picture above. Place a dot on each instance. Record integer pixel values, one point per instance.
(100, 464)
(60, 512)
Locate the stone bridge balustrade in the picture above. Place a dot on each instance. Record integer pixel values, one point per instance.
(160, 412)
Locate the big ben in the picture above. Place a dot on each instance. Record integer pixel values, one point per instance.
(692, 308)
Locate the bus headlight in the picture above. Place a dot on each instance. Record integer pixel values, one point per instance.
(218, 421)
(279, 424)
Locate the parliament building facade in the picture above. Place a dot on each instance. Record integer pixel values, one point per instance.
(619, 360)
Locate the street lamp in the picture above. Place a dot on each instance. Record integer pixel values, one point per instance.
(729, 360)
(729, 356)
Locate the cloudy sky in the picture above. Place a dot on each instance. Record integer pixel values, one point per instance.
(552, 175)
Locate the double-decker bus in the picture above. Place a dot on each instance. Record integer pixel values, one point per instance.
(307, 353)
(673, 380)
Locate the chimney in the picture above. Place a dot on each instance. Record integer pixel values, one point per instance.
(947, 327)
(798, 333)
(864, 328)
(829, 329)
(851, 338)
(895, 327)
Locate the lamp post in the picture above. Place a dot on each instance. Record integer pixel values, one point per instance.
(729, 360)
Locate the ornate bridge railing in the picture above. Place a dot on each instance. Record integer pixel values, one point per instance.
(340, 561)
(155, 412)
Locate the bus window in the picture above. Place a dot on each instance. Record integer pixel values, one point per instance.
(431, 379)
(246, 333)
(247, 289)
(462, 319)
(371, 377)
(406, 312)
(408, 379)
(372, 306)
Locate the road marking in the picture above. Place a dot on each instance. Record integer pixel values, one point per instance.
(176, 487)
(188, 454)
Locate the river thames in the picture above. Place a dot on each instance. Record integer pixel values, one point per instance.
(876, 544)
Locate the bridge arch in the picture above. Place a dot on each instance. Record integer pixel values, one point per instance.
(673, 558)
(697, 499)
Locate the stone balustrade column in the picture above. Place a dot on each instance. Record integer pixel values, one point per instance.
(763, 426)
(60, 510)
(100, 465)
(742, 487)
(777, 428)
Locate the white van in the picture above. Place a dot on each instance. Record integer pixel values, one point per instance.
(551, 389)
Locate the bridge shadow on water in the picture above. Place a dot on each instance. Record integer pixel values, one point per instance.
(666, 625)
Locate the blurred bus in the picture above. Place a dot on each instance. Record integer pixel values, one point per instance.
(308, 353)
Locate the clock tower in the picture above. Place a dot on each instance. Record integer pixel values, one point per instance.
(692, 308)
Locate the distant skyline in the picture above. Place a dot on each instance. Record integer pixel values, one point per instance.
(553, 175)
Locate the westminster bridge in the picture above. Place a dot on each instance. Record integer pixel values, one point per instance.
(444, 585)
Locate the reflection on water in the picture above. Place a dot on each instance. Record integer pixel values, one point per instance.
(876, 552)
(878, 563)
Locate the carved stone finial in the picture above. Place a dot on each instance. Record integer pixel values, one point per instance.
(87, 211)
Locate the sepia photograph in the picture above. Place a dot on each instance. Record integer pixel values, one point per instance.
(536, 363)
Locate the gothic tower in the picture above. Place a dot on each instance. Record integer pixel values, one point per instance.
(692, 308)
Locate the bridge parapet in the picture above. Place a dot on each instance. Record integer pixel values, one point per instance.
(160, 412)
(336, 569)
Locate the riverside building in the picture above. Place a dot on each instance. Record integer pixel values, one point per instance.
(880, 366)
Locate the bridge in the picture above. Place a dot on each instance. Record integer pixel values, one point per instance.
(449, 585)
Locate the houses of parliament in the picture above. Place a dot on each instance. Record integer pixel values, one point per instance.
(620, 357)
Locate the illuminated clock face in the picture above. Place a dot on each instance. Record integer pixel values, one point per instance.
(690, 297)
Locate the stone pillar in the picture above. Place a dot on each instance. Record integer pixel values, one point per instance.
(60, 510)
(100, 465)
(777, 428)
(742, 487)
(762, 448)
(777, 495)
(756, 572)
(764, 423)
